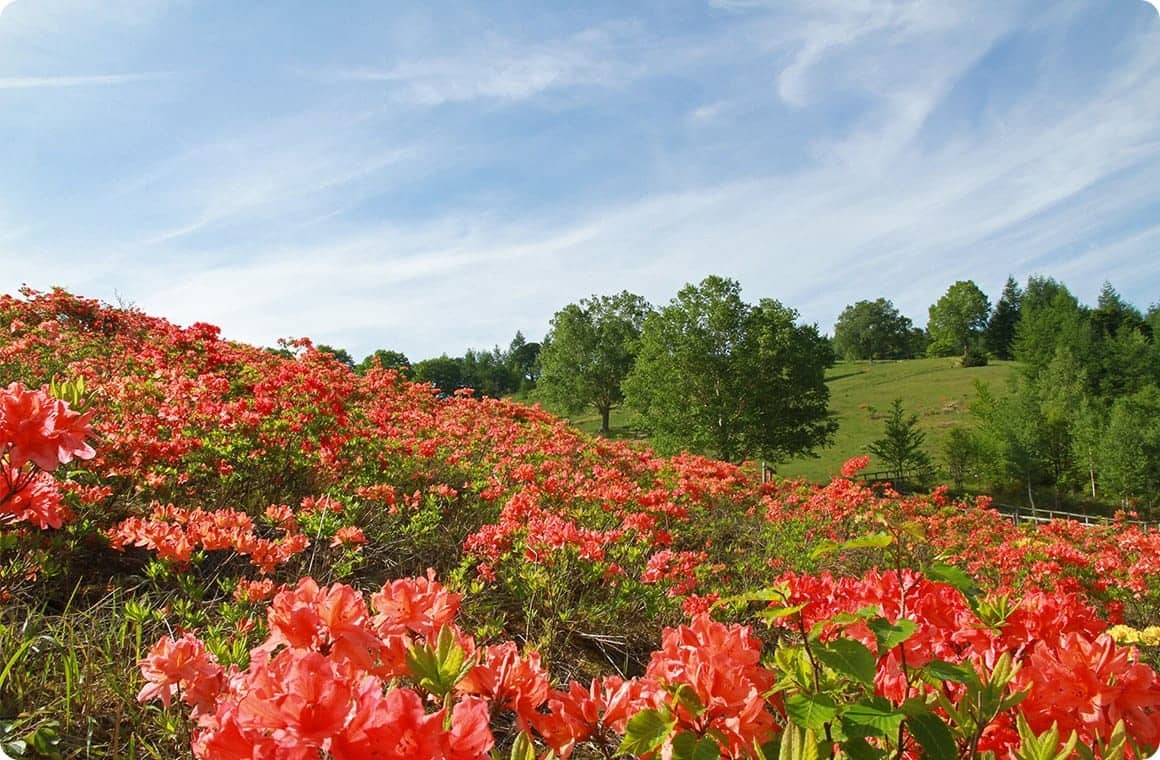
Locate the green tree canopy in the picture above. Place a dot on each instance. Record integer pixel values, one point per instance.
(716, 375)
(444, 372)
(872, 330)
(1050, 317)
(340, 354)
(589, 349)
(1131, 450)
(489, 372)
(1000, 335)
(1123, 358)
(958, 318)
(524, 359)
(386, 359)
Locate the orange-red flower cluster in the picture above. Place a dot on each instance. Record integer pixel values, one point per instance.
(37, 434)
(175, 534)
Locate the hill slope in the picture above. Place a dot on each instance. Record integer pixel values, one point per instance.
(937, 390)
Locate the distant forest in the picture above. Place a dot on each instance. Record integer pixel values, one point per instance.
(1082, 418)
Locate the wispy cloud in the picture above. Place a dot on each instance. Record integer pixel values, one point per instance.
(86, 80)
(505, 69)
(820, 151)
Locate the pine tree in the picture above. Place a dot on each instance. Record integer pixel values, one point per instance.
(901, 446)
(1000, 335)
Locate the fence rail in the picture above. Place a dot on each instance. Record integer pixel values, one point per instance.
(1017, 513)
(1025, 514)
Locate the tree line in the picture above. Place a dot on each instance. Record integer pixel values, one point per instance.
(707, 373)
(496, 372)
(713, 374)
(1081, 419)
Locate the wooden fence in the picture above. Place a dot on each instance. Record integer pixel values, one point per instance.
(1022, 514)
(1019, 514)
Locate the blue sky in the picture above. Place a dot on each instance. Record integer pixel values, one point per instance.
(430, 177)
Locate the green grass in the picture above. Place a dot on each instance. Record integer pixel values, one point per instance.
(621, 424)
(937, 390)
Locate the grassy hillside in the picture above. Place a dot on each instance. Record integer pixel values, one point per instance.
(937, 390)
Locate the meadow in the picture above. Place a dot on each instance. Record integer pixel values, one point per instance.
(214, 550)
(937, 390)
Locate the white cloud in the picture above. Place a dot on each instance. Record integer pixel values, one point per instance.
(302, 169)
(84, 80)
(503, 69)
(875, 207)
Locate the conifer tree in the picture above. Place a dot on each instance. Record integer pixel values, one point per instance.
(901, 446)
(1000, 335)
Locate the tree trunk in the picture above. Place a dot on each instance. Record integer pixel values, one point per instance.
(605, 413)
(1092, 471)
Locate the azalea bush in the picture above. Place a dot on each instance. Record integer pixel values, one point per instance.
(890, 664)
(38, 433)
(286, 559)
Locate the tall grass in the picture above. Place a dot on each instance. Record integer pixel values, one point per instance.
(77, 667)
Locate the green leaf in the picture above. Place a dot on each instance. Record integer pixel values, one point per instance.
(824, 547)
(766, 751)
(686, 697)
(858, 748)
(890, 635)
(850, 658)
(522, 748)
(933, 736)
(438, 668)
(776, 613)
(811, 711)
(877, 716)
(915, 530)
(948, 671)
(1115, 749)
(646, 731)
(771, 594)
(1072, 741)
(940, 571)
(707, 749)
(798, 743)
(688, 746)
(871, 541)
(842, 619)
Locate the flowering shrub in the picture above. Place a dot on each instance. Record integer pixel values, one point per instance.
(888, 662)
(242, 483)
(37, 433)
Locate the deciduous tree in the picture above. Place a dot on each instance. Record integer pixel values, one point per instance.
(872, 330)
(386, 359)
(717, 375)
(589, 350)
(958, 318)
